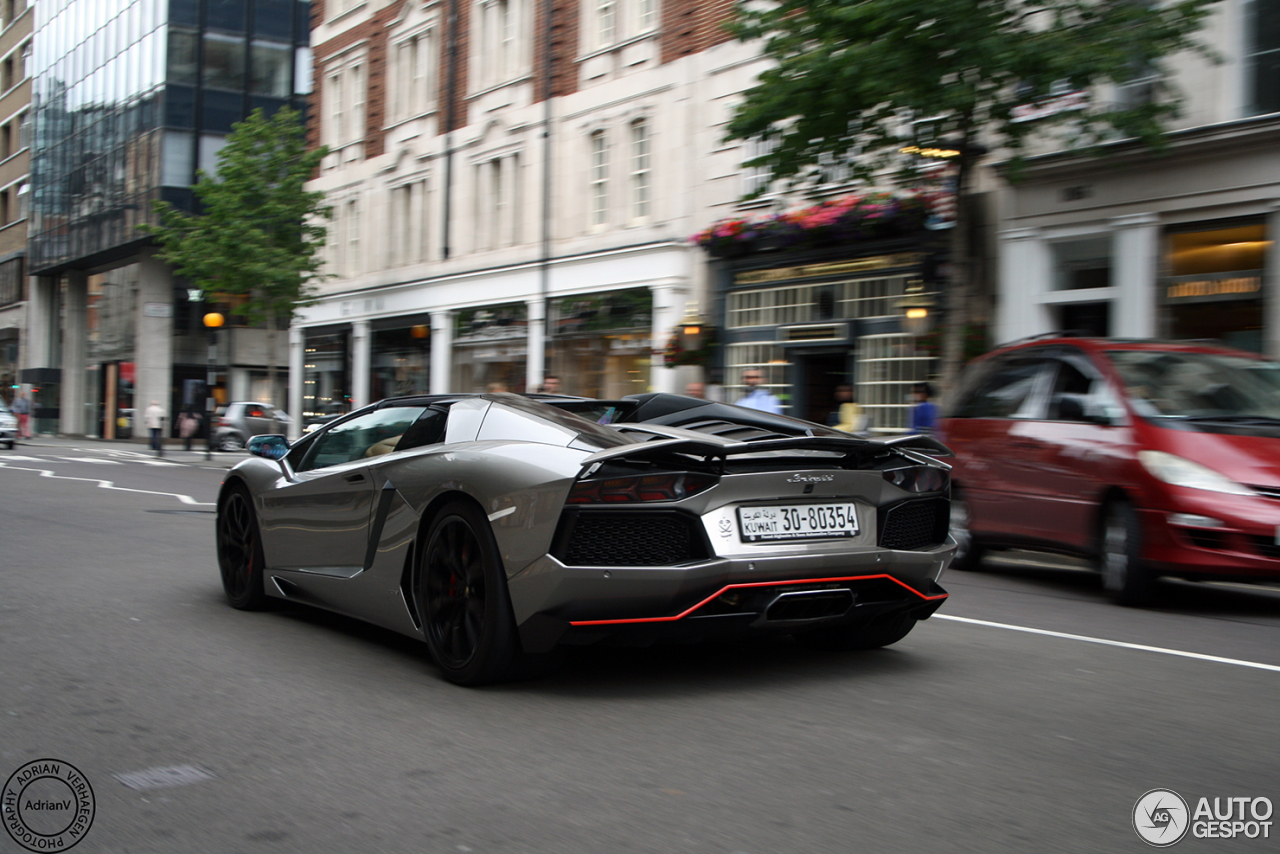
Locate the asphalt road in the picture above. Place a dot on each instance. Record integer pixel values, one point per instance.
(300, 731)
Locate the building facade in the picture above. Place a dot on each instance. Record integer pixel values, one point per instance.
(1171, 244)
(16, 17)
(130, 98)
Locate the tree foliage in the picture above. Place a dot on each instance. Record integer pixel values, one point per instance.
(259, 232)
(850, 75)
(853, 81)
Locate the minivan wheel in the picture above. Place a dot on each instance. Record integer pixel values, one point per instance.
(1124, 577)
(968, 556)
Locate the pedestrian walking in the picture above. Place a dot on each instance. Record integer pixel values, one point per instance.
(924, 415)
(155, 416)
(188, 427)
(21, 407)
(848, 416)
(758, 397)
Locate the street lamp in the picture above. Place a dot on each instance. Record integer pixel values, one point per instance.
(213, 322)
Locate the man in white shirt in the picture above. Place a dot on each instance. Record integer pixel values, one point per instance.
(155, 416)
(758, 397)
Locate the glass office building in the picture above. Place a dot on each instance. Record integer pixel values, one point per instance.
(132, 96)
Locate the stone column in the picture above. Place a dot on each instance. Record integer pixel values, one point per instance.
(667, 305)
(441, 351)
(297, 371)
(153, 341)
(42, 323)
(361, 342)
(1025, 277)
(75, 332)
(1271, 284)
(1135, 267)
(536, 346)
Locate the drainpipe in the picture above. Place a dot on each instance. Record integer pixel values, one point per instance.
(544, 271)
(451, 77)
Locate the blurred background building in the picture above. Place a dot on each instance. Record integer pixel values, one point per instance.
(130, 98)
(16, 17)
(1172, 244)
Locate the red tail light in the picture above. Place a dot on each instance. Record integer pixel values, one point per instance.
(649, 487)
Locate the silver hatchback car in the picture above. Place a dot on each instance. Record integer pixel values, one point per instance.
(237, 422)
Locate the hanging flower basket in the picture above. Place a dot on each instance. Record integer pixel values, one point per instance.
(675, 353)
(846, 220)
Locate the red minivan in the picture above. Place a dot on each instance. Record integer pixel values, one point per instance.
(1153, 458)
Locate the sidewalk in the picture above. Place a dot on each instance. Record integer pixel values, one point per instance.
(173, 452)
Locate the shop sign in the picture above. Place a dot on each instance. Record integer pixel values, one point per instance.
(860, 265)
(158, 309)
(1224, 286)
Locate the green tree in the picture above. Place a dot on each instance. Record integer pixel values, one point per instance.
(258, 232)
(853, 76)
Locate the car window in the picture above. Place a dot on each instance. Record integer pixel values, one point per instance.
(429, 429)
(1187, 385)
(364, 437)
(1004, 392)
(255, 412)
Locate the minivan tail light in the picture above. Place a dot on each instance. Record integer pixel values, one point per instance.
(668, 486)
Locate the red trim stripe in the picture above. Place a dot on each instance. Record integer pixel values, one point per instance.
(728, 587)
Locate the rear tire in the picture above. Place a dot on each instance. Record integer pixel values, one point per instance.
(1124, 577)
(230, 442)
(240, 555)
(969, 551)
(882, 631)
(463, 599)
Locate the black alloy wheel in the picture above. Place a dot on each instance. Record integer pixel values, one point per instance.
(463, 599)
(240, 554)
(1124, 577)
(873, 634)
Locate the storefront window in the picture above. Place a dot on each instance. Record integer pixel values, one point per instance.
(401, 361)
(602, 343)
(489, 349)
(1079, 264)
(1215, 285)
(326, 376)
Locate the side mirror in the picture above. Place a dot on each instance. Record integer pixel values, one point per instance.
(269, 447)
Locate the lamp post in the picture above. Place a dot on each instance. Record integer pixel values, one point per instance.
(212, 321)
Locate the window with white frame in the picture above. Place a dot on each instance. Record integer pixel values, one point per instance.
(503, 51)
(756, 179)
(1262, 57)
(345, 96)
(496, 197)
(611, 22)
(641, 177)
(408, 229)
(414, 59)
(353, 266)
(599, 178)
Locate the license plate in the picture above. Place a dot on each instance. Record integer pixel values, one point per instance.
(797, 522)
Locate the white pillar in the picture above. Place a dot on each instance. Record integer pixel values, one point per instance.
(667, 304)
(360, 345)
(536, 346)
(42, 323)
(441, 351)
(153, 340)
(1271, 285)
(75, 332)
(297, 372)
(1025, 277)
(1134, 266)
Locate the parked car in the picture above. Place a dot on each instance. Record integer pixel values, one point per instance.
(1152, 458)
(236, 422)
(504, 526)
(8, 426)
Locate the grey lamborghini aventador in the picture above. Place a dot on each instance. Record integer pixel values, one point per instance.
(498, 527)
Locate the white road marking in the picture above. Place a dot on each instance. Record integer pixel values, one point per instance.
(1257, 665)
(19, 458)
(106, 484)
(90, 460)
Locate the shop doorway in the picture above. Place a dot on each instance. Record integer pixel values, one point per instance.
(820, 373)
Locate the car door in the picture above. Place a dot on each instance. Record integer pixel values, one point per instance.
(1076, 450)
(317, 520)
(980, 431)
